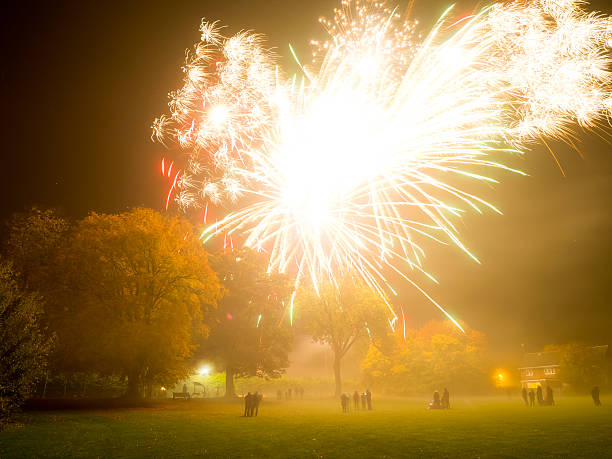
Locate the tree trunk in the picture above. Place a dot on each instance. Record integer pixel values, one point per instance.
(230, 391)
(337, 375)
(133, 386)
(44, 392)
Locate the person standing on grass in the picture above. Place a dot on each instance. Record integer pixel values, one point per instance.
(369, 399)
(595, 395)
(363, 401)
(539, 396)
(255, 399)
(550, 400)
(531, 398)
(445, 399)
(247, 404)
(356, 400)
(344, 401)
(524, 395)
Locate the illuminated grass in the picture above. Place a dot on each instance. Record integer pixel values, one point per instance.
(478, 427)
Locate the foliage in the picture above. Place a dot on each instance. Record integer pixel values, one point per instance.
(136, 287)
(23, 347)
(436, 356)
(582, 366)
(35, 239)
(339, 316)
(247, 337)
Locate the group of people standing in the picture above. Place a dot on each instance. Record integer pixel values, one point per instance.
(365, 398)
(251, 404)
(298, 392)
(530, 397)
(440, 403)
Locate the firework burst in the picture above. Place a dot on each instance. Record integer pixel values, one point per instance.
(349, 170)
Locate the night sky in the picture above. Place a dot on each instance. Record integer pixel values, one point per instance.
(81, 83)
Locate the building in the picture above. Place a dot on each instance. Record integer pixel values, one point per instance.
(541, 369)
(588, 365)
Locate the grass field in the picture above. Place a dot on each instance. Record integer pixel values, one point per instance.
(477, 427)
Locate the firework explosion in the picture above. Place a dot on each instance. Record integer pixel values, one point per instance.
(348, 169)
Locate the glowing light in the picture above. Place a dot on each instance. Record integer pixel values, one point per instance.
(204, 370)
(353, 168)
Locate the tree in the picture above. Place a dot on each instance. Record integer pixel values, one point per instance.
(339, 316)
(23, 346)
(35, 239)
(247, 337)
(435, 356)
(136, 287)
(35, 244)
(582, 366)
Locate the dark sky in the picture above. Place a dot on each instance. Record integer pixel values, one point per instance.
(81, 83)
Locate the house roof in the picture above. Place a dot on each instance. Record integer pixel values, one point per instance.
(541, 359)
(553, 358)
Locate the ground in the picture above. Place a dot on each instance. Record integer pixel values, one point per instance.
(473, 427)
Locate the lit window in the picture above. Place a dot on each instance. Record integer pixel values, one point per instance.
(550, 371)
(529, 372)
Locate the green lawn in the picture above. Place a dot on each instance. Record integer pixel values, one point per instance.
(477, 427)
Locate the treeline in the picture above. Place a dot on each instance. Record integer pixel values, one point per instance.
(438, 355)
(125, 304)
(133, 297)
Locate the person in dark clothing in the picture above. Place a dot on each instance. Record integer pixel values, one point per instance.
(445, 401)
(247, 404)
(255, 400)
(369, 399)
(595, 395)
(540, 396)
(550, 400)
(279, 394)
(356, 400)
(344, 401)
(524, 395)
(363, 401)
(531, 398)
(435, 404)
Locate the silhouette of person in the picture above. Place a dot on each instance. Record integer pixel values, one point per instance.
(279, 394)
(363, 401)
(255, 400)
(289, 393)
(344, 401)
(539, 395)
(550, 400)
(435, 404)
(531, 398)
(369, 399)
(356, 400)
(247, 404)
(524, 396)
(184, 388)
(445, 399)
(595, 395)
